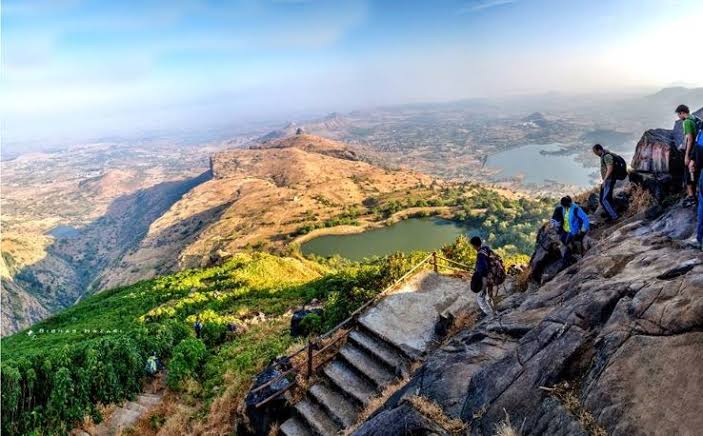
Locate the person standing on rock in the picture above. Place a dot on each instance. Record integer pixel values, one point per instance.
(607, 172)
(573, 225)
(699, 232)
(693, 161)
(488, 274)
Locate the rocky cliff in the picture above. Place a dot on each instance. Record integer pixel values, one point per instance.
(611, 345)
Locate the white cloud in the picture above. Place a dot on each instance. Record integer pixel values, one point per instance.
(480, 5)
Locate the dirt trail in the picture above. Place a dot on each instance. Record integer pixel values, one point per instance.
(122, 417)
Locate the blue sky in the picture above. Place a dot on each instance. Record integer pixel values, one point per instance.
(79, 68)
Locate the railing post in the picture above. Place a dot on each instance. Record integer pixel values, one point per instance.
(434, 262)
(309, 373)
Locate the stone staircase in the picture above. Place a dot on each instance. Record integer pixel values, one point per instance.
(364, 366)
(386, 340)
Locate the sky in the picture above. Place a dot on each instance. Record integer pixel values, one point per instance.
(76, 69)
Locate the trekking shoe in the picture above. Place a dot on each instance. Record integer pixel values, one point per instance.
(688, 202)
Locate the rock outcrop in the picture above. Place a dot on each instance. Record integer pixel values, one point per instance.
(613, 343)
(658, 162)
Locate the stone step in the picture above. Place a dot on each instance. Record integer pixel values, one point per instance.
(337, 406)
(381, 350)
(123, 417)
(316, 418)
(346, 379)
(131, 405)
(295, 427)
(148, 400)
(367, 365)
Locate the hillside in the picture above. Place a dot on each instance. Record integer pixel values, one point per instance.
(92, 229)
(256, 197)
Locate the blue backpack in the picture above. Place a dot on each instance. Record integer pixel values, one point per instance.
(699, 129)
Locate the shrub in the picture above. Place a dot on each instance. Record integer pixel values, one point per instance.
(213, 334)
(311, 323)
(187, 358)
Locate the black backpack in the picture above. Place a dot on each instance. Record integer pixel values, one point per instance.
(619, 166)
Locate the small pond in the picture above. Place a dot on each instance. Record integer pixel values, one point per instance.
(64, 232)
(412, 234)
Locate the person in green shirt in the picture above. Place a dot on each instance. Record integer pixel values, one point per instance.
(692, 168)
(607, 173)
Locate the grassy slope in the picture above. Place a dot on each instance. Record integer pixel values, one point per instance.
(234, 292)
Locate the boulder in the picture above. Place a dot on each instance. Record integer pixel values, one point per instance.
(262, 418)
(296, 329)
(546, 260)
(641, 391)
(656, 152)
(404, 420)
(659, 185)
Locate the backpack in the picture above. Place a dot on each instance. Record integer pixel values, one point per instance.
(151, 366)
(699, 128)
(619, 166)
(496, 269)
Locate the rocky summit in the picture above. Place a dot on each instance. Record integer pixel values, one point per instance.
(611, 345)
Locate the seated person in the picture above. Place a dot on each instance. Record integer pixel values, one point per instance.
(573, 225)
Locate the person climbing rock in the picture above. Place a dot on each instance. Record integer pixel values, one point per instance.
(612, 169)
(693, 160)
(573, 224)
(488, 274)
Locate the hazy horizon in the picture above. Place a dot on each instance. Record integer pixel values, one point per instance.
(74, 69)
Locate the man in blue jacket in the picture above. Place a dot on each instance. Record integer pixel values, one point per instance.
(573, 225)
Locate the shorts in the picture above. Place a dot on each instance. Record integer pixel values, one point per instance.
(691, 181)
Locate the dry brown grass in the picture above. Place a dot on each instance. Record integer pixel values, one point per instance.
(640, 200)
(505, 427)
(275, 430)
(582, 198)
(90, 426)
(464, 320)
(522, 281)
(375, 404)
(434, 411)
(567, 394)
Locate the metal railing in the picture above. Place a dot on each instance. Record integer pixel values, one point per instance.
(310, 367)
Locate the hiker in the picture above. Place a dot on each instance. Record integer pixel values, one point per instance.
(152, 364)
(489, 273)
(693, 159)
(699, 232)
(231, 331)
(198, 327)
(573, 225)
(612, 169)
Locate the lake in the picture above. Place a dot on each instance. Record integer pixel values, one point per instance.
(412, 234)
(64, 232)
(540, 169)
